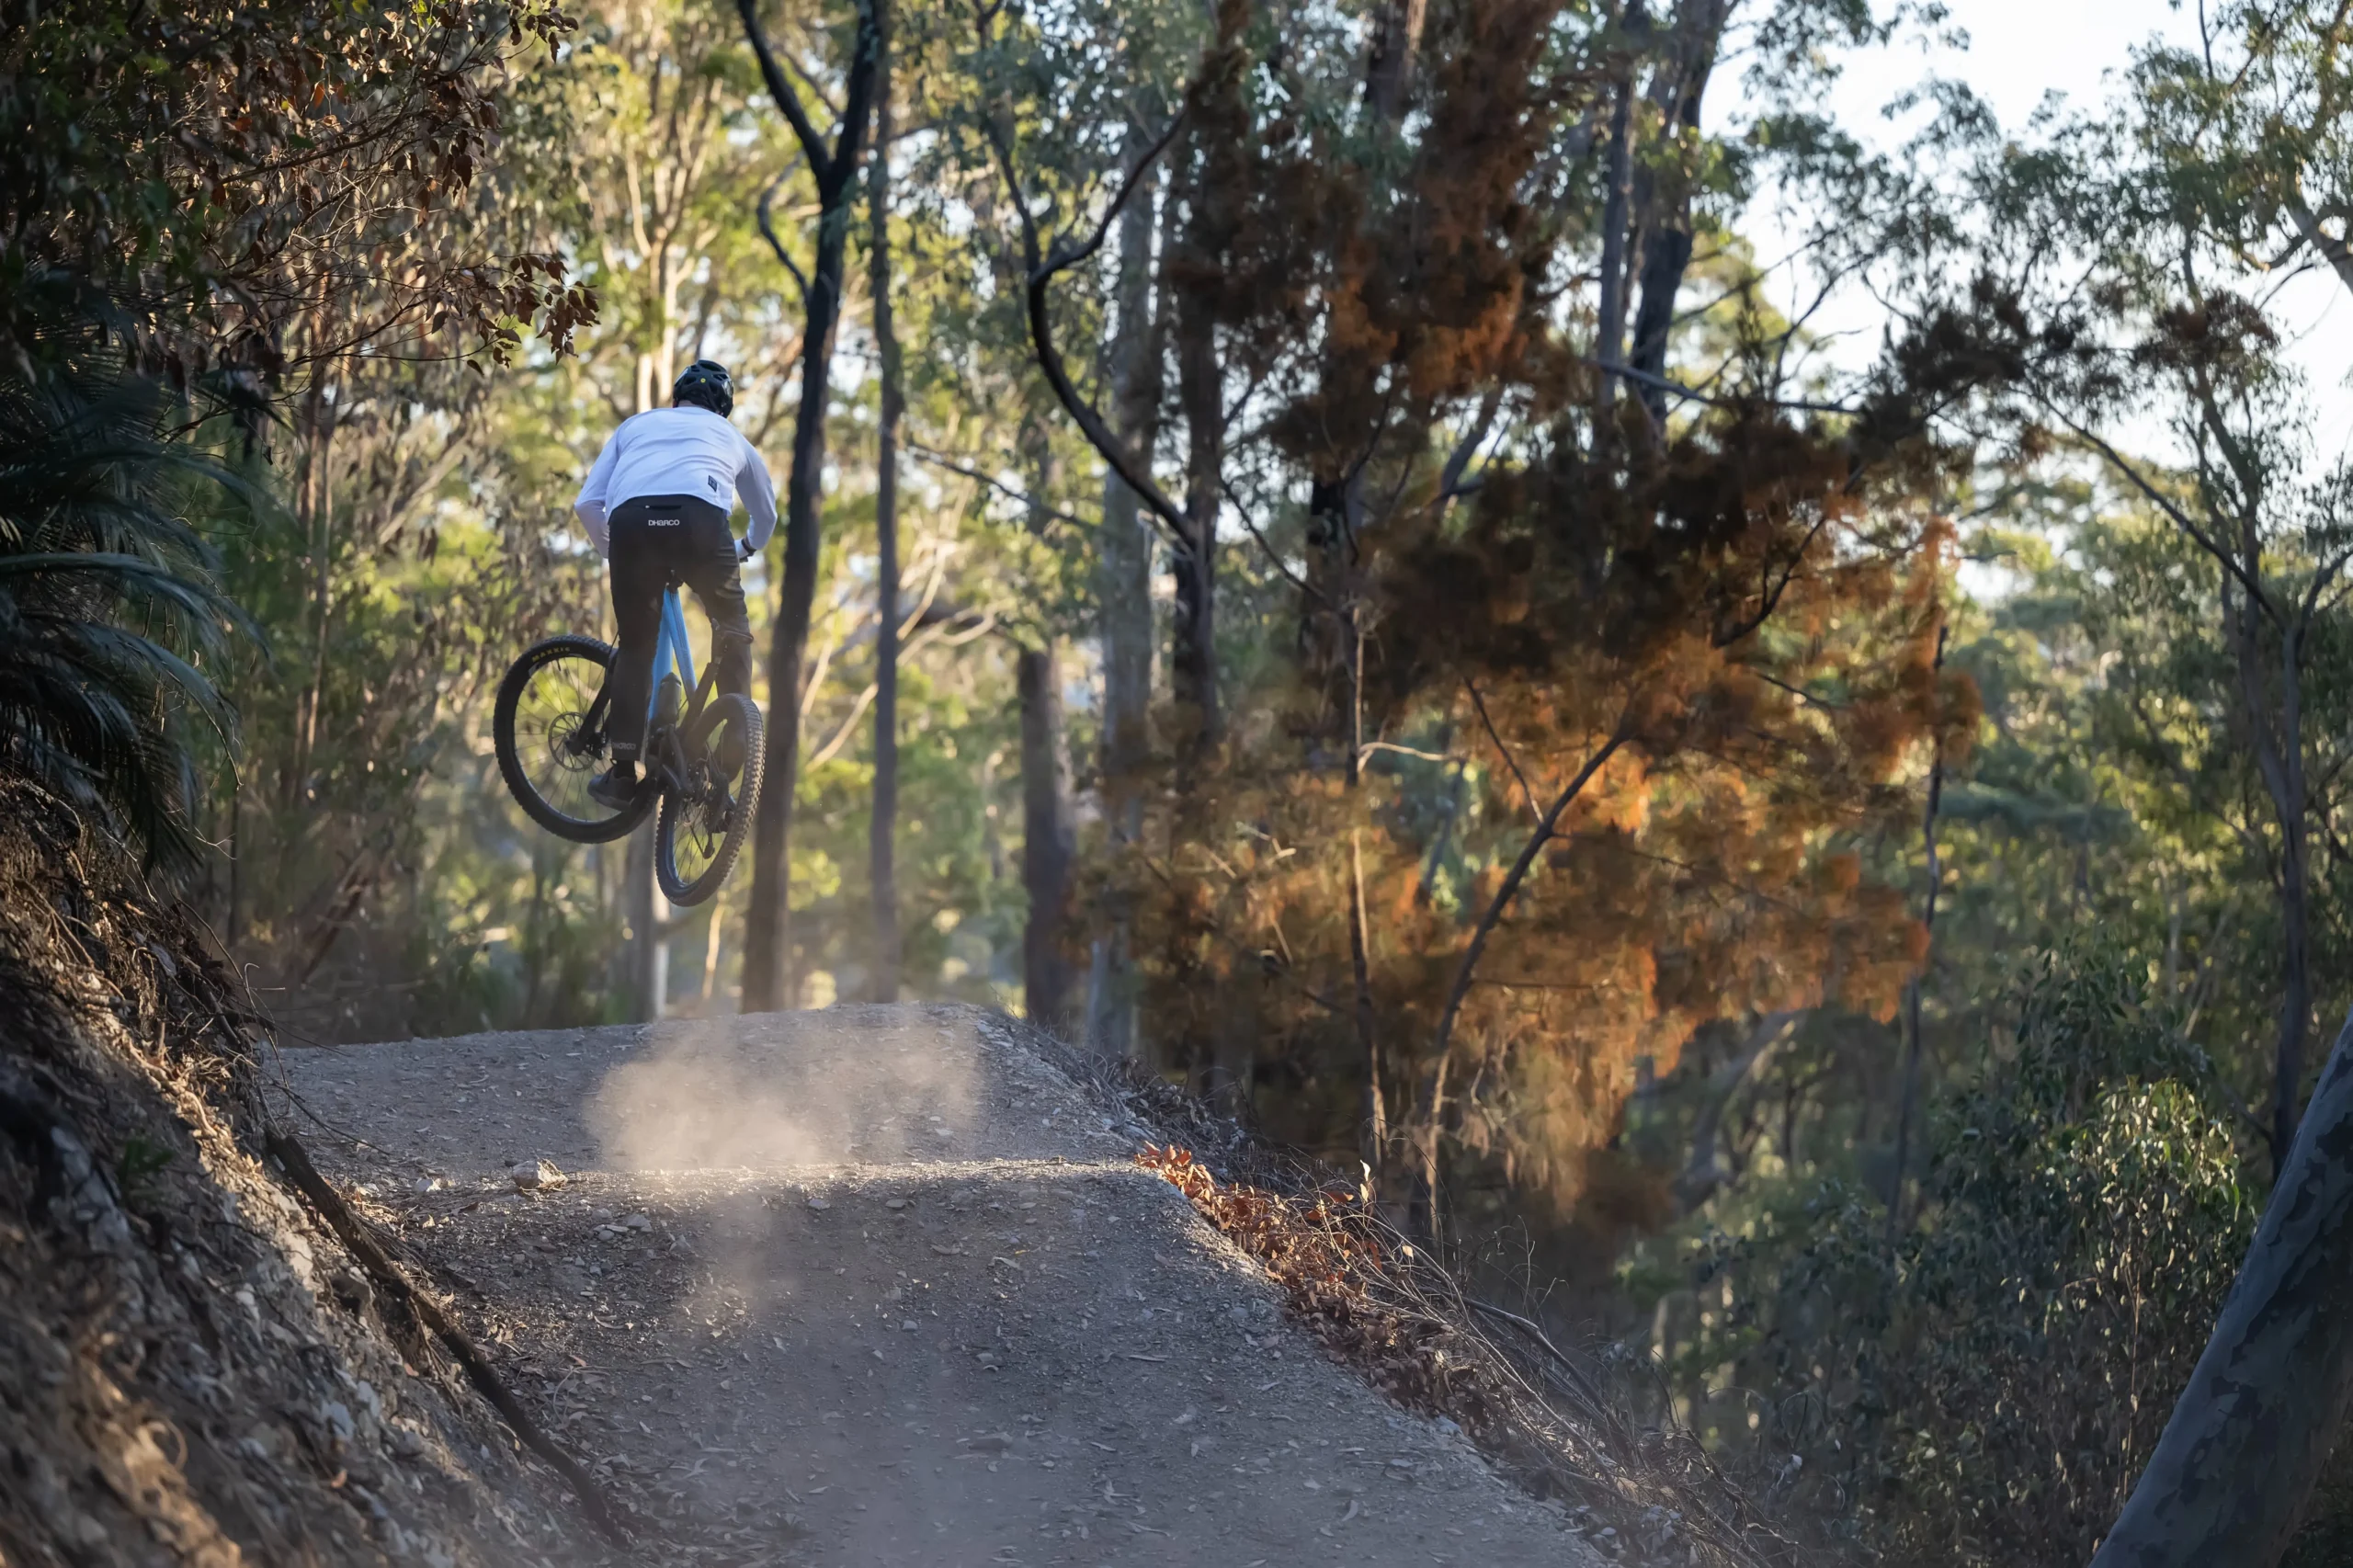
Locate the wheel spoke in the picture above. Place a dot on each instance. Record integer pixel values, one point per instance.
(555, 740)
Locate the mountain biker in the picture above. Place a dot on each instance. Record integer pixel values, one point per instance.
(657, 505)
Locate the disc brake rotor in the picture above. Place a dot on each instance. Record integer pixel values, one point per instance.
(565, 742)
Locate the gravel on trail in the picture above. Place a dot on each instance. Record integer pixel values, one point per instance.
(883, 1285)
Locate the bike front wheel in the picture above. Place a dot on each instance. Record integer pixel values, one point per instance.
(550, 732)
(705, 822)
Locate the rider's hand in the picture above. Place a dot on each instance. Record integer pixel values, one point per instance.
(744, 551)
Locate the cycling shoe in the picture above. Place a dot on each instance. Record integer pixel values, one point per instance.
(614, 792)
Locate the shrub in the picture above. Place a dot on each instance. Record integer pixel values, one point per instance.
(107, 601)
(1986, 1390)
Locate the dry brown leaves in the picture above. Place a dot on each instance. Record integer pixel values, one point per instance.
(1341, 1269)
(1382, 1306)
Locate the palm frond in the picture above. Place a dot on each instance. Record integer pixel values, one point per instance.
(109, 602)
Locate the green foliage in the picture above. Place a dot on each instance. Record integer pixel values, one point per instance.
(223, 169)
(1984, 1388)
(142, 1161)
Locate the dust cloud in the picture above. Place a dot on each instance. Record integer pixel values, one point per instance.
(752, 1094)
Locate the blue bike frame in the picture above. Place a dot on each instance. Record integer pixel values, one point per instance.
(673, 650)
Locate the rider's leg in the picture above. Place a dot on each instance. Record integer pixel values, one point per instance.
(651, 549)
(711, 573)
(640, 572)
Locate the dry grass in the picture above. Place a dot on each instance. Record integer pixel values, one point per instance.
(1384, 1307)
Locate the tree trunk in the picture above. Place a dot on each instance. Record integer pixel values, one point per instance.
(1126, 597)
(1609, 338)
(2231, 1476)
(714, 936)
(1193, 658)
(1703, 1172)
(230, 927)
(1047, 847)
(646, 977)
(1911, 1092)
(1374, 1131)
(1047, 843)
(2276, 736)
(314, 500)
(2296, 998)
(1396, 43)
(535, 938)
(1329, 633)
(2295, 894)
(881, 833)
(1665, 215)
(769, 981)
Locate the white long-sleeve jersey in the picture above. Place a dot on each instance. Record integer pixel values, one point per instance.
(678, 451)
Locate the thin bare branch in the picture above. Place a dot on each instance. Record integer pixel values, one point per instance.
(1582, 1385)
(1367, 750)
(767, 230)
(843, 733)
(1061, 259)
(1042, 264)
(2336, 252)
(812, 145)
(1525, 860)
(1693, 394)
(1509, 761)
(1449, 478)
(834, 166)
(1250, 527)
(942, 459)
(2223, 557)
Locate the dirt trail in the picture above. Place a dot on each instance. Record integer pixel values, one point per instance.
(882, 1286)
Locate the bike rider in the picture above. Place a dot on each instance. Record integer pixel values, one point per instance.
(655, 504)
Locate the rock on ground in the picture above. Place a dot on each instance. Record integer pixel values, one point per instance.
(883, 1285)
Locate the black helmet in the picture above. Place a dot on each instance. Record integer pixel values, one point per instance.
(706, 384)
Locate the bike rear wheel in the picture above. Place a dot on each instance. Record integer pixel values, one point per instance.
(705, 822)
(550, 732)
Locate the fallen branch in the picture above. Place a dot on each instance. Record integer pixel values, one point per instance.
(1597, 1406)
(287, 1151)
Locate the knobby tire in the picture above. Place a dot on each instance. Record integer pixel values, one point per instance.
(743, 716)
(577, 829)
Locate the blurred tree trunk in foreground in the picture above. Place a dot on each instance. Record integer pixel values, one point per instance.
(2231, 1477)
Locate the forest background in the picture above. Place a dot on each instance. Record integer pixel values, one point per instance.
(1746, 718)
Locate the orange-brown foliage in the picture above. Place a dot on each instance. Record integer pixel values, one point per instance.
(1744, 616)
(1774, 670)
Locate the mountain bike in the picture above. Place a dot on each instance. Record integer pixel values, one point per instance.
(700, 764)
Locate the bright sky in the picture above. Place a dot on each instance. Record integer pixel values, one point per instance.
(2019, 51)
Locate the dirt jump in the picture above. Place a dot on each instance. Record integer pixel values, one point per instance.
(883, 1286)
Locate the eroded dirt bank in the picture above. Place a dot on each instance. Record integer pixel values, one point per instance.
(191, 1369)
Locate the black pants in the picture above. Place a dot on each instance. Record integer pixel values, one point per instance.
(660, 542)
